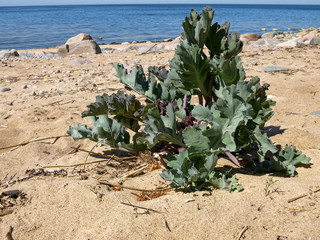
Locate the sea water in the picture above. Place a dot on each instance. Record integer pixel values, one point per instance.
(51, 26)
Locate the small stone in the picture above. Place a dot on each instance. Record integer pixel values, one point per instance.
(24, 86)
(250, 36)
(275, 69)
(43, 92)
(316, 113)
(5, 89)
(125, 43)
(315, 41)
(78, 62)
(33, 93)
(9, 77)
(137, 60)
(290, 43)
(167, 40)
(268, 35)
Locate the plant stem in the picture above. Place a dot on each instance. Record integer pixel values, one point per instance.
(185, 98)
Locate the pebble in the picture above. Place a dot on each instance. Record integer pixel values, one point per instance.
(5, 89)
(290, 43)
(275, 69)
(167, 40)
(315, 41)
(316, 113)
(78, 61)
(9, 77)
(136, 61)
(24, 86)
(43, 92)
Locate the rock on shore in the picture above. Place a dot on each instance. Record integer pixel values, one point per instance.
(82, 43)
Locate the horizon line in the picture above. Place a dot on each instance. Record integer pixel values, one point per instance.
(43, 5)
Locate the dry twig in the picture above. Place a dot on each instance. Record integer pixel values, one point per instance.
(136, 172)
(166, 223)
(84, 165)
(34, 140)
(302, 196)
(245, 228)
(76, 165)
(135, 206)
(73, 150)
(209, 216)
(131, 188)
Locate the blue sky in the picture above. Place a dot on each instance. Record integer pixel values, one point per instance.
(63, 2)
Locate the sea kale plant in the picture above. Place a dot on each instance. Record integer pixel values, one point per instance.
(202, 106)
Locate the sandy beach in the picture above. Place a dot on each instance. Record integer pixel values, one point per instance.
(47, 96)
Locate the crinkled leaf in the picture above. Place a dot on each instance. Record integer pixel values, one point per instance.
(223, 118)
(121, 105)
(104, 130)
(192, 69)
(195, 140)
(197, 26)
(287, 159)
(79, 131)
(220, 180)
(264, 143)
(138, 143)
(135, 80)
(217, 38)
(197, 170)
(230, 70)
(110, 131)
(233, 46)
(161, 128)
(160, 72)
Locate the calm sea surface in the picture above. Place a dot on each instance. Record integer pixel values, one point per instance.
(50, 26)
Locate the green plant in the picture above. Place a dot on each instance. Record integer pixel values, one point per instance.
(230, 115)
(269, 182)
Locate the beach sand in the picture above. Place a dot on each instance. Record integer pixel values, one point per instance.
(48, 95)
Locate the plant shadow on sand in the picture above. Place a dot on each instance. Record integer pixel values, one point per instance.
(112, 152)
(273, 130)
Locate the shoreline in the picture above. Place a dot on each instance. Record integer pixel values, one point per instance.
(275, 35)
